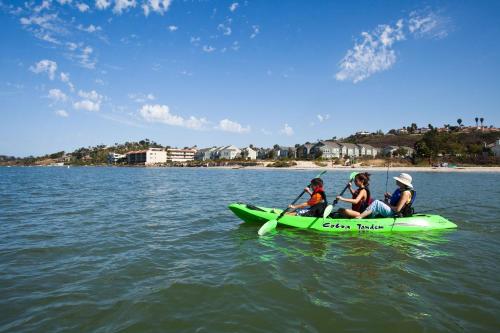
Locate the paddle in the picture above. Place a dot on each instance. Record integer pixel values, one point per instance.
(271, 225)
(329, 208)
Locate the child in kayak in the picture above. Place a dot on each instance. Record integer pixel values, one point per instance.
(360, 198)
(315, 205)
(396, 204)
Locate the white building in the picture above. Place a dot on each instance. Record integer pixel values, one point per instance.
(366, 150)
(229, 152)
(115, 157)
(205, 154)
(496, 148)
(249, 153)
(349, 149)
(180, 155)
(150, 156)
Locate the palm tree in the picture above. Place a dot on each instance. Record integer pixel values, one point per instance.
(477, 119)
(481, 120)
(459, 121)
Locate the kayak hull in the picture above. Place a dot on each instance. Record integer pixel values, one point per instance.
(417, 222)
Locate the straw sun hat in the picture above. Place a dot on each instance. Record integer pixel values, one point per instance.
(405, 179)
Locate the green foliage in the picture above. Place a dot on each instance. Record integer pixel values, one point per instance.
(282, 164)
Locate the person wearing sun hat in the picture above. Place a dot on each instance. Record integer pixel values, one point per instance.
(395, 204)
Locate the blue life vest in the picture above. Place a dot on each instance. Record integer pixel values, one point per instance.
(406, 210)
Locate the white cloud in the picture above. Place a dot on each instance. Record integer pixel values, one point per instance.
(91, 28)
(91, 95)
(233, 6)
(71, 46)
(427, 25)
(373, 54)
(195, 40)
(44, 27)
(82, 7)
(87, 105)
(235, 46)
(141, 98)
(121, 5)
(161, 114)
(225, 29)
(64, 2)
(256, 31)
(287, 130)
(266, 132)
(157, 6)
(57, 95)
(64, 77)
(232, 126)
(208, 48)
(44, 5)
(172, 28)
(48, 66)
(323, 118)
(102, 4)
(62, 113)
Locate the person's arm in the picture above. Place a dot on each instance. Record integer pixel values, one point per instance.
(350, 188)
(405, 196)
(299, 206)
(361, 196)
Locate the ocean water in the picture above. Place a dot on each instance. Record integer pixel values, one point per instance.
(156, 250)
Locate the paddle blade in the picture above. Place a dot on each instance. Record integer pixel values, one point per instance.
(328, 211)
(352, 175)
(267, 227)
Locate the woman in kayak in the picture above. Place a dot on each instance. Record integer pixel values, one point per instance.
(396, 204)
(315, 205)
(360, 198)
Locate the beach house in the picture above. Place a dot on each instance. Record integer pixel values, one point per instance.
(149, 156)
(326, 149)
(366, 150)
(205, 154)
(348, 149)
(304, 151)
(229, 152)
(180, 155)
(248, 153)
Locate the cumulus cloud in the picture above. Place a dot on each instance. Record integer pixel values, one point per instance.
(123, 5)
(62, 113)
(234, 6)
(91, 101)
(287, 130)
(87, 105)
(91, 95)
(232, 126)
(323, 118)
(161, 114)
(172, 28)
(208, 49)
(102, 4)
(65, 78)
(44, 26)
(141, 98)
(157, 6)
(57, 95)
(45, 66)
(374, 52)
(82, 7)
(225, 28)
(256, 31)
(91, 28)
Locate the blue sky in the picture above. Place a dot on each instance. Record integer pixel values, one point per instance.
(77, 73)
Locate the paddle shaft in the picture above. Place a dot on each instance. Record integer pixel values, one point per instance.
(341, 194)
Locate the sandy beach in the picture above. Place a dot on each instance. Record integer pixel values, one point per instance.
(309, 165)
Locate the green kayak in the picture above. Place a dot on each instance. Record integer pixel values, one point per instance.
(417, 222)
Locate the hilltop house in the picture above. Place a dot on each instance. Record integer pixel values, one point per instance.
(115, 158)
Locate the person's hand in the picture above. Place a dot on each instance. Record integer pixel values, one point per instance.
(387, 195)
(291, 206)
(349, 185)
(339, 197)
(307, 189)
